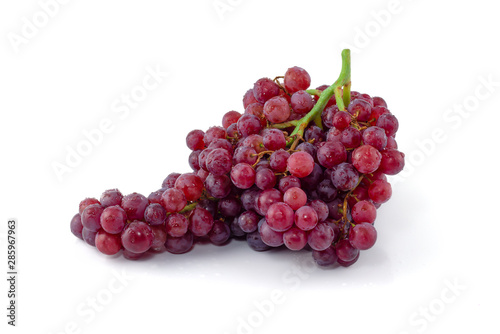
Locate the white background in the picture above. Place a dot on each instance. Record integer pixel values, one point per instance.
(428, 59)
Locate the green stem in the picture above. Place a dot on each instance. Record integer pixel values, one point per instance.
(342, 96)
(189, 207)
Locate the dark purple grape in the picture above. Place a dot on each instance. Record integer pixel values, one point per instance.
(248, 221)
(301, 102)
(345, 176)
(76, 226)
(265, 178)
(180, 245)
(220, 233)
(255, 242)
(155, 214)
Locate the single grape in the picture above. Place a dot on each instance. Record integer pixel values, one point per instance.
(108, 243)
(255, 242)
(279, 217)
(248, 124)
(321, 237)
(296, 78)
(229, 118)
(306, 218)
(277, 110)
(345, 251)
(314, 134)
(278, 160)
(366, 159)
(242, 175)
(326, 191)
(194, 140)
(331, 154)
(328, 115)
(360, 109)
(295, 239)
(265, 178)
(269, 236)
(378, 101)
(341, 120)
(393, 161)
(113, 219)
(326, 257)
(169, 181)
(155, 196)
(363, 236)
(295, 197)
(193, 160)
(229, 206)
(219, 162)
(220, 233)
(264, 89)
(288, 182)
(111, 197)
(180, 245)
(311, 181)
(176, 225)
(89, 236)
(302, 102)
(245, 154)
(380, 191)
(91, 217)
(248, 221)
(345, 177)
(256, 142)
(389, 123)
(76, 226)
(300, 164)
(155, 214)
(364, 212)
(137, 237)
(350, 137)
(191, 186)
(159, 238)
(221, 143)
(134, 205)
(173, 200)
(213, 133)
(201, 222)
(321, 209)
(274, 140)
(86, 202)
(248, 98)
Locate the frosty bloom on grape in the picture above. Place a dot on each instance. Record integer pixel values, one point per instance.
(122, 107)
(88, 310)
(222, 7)
(33, 24)
(371, 29)
(453, 118)
(429, 312)
(300, 271)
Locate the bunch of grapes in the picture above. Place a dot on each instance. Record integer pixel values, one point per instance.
(300, 168)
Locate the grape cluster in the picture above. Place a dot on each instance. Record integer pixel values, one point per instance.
(256, 177)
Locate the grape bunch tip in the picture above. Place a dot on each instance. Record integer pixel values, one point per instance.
(300, 168)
